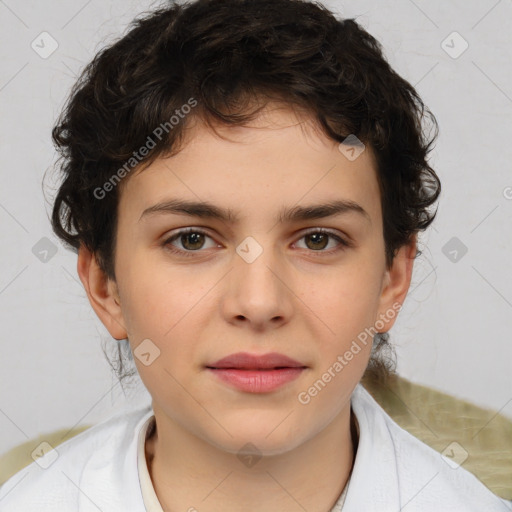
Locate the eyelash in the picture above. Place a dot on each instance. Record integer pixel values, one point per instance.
(344, 244)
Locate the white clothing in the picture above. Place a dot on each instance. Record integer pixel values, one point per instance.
(98, 470)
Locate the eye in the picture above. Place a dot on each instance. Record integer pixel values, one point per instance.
(191, 239)
(319, 239)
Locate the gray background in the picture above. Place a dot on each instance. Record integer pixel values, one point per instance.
(454, 331)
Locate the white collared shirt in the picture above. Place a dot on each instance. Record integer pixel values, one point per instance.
(104, 469)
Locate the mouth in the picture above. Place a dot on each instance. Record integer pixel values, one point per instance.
(256, 373)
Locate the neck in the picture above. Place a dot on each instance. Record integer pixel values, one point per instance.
(311, 476)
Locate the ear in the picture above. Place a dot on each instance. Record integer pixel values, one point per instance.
(395, 284)
(102, 293)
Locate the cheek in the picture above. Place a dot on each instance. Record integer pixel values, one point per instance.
(346, 301)
(161, 309)
(158, 295)
(165, 307)
(346, 308)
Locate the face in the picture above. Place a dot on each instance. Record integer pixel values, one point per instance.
(193, 289)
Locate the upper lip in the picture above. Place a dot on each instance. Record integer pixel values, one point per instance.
(246, 361)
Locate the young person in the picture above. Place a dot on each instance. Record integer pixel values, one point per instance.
(244, 182)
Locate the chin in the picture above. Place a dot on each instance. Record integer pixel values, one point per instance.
(259, 438)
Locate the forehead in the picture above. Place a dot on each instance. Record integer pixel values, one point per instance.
(280, 158)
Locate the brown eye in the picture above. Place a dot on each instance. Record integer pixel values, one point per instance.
(317, 240)
(191, 240)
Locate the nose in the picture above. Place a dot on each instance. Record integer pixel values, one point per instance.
(259, 289)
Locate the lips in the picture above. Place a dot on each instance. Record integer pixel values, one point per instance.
(246, 361)
(251, 373)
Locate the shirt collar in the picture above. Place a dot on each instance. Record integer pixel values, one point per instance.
(374, 483)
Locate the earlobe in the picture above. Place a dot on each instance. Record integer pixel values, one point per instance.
(102, 293)
(396, 284)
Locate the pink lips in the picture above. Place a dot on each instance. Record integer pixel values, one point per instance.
(256, 374)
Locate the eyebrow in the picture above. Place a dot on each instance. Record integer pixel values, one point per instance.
(203, 209)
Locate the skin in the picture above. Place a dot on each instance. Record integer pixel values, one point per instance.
(300, 297)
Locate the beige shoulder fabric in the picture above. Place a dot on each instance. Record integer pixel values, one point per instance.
(20, 456)
(439, 419)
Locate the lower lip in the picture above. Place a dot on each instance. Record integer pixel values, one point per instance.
(257, 381)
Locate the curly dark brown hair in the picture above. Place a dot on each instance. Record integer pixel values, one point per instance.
(223, 57)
